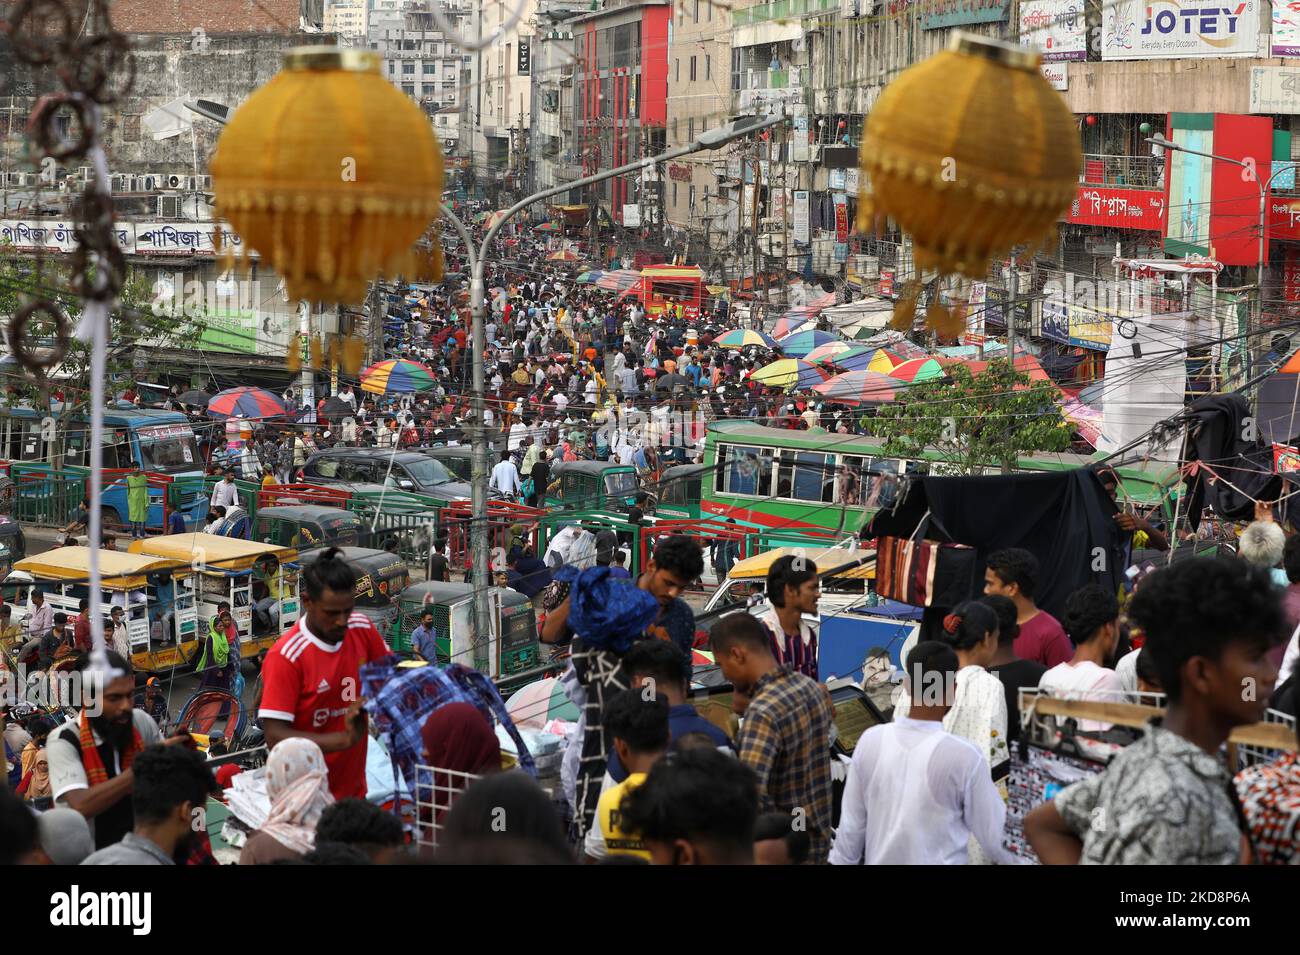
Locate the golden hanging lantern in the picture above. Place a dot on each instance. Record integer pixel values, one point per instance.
(973, 154)
(330, 174)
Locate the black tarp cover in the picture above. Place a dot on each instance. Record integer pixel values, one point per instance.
(1065, 519)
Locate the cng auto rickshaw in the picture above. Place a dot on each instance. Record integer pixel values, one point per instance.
(128, 581)
(381, 577)
(592, 485)
(13, 545)
(304, 526)
(513, 648)
(214, 569)
(679, 492)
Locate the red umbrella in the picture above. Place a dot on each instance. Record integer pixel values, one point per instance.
(245, 402)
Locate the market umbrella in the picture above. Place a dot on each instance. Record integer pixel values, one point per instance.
(245, 402)
(788, 325)
(564, 255)
(801, 343)
(869, 359)
(855, 387)
(791, 373)
(397, 376)
(702, 658)
(195, 399)
(538, 703)
(853, 357)
(547, 227)
(918, 369)
(741, 337)
(619, 280)
(590, 277)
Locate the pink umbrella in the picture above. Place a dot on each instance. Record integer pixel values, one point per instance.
(855, 387)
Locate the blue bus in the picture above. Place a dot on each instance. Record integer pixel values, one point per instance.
(159, 441)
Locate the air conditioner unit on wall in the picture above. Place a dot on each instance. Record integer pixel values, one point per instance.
(203, 182)
(174, 182)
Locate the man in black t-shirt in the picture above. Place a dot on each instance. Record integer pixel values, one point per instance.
(1013, 671)
(439, 566)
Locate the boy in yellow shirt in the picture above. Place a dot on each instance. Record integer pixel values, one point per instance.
(638, 722)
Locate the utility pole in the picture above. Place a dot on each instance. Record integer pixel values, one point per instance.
(754, 225)
(1013, 282)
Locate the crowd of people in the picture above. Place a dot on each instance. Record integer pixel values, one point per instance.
(646, 778)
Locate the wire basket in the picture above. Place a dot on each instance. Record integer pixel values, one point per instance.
(434, 796)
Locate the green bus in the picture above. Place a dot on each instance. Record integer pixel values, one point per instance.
(779, 478)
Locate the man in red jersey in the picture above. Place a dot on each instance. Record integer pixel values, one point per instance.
(311, 678)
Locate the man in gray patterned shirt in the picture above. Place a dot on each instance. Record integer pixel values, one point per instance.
(1166, 800)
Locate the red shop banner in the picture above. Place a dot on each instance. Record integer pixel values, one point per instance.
(1116, 207)
(1283, 217)
(1291, 274)
(841, 218)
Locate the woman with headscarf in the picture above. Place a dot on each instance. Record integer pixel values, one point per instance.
(37, 785)
(298, 783)
(459, 739)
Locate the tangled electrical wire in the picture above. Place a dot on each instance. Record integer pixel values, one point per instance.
(95, 67)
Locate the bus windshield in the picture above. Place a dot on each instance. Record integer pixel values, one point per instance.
(168, 448)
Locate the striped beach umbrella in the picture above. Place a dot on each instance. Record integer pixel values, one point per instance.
(918, 369)
(245, 402)
(853, 357)
(802, 342)
(741, 337)
(856, 387)
(397, 376)
(788, 325)
(791, 373)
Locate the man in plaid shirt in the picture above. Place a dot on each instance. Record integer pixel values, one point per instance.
(785, 736)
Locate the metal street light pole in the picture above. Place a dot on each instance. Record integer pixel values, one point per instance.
(479, 467)
(1257, 318)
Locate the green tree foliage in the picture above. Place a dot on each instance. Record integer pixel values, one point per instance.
(983, 420)
(133, 326)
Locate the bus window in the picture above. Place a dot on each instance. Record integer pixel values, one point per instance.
(749, 471)
(852, 481)
(804, 476)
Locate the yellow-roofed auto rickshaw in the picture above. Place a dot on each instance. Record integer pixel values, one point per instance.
(130, 581)
(259, 581)
(841, 590)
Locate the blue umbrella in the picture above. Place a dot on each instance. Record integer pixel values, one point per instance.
(801, 343)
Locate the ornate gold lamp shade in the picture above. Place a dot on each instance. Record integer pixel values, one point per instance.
(973, 154)
(331, 175)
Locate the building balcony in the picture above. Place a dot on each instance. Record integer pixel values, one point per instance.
(567, 171)
(780, 10)
(769, 100)
(1137, 172)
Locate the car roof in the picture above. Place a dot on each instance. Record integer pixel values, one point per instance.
(364, 453)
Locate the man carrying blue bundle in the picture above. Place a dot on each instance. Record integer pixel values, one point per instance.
(606, 617)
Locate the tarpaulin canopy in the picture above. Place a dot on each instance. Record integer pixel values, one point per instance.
(1063, 518)
(1149, 268)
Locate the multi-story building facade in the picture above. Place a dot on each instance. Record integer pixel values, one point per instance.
(702, 216)
(621, 102)
(552, 160)
(419, 59)
(347, 18)
(157, 154)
